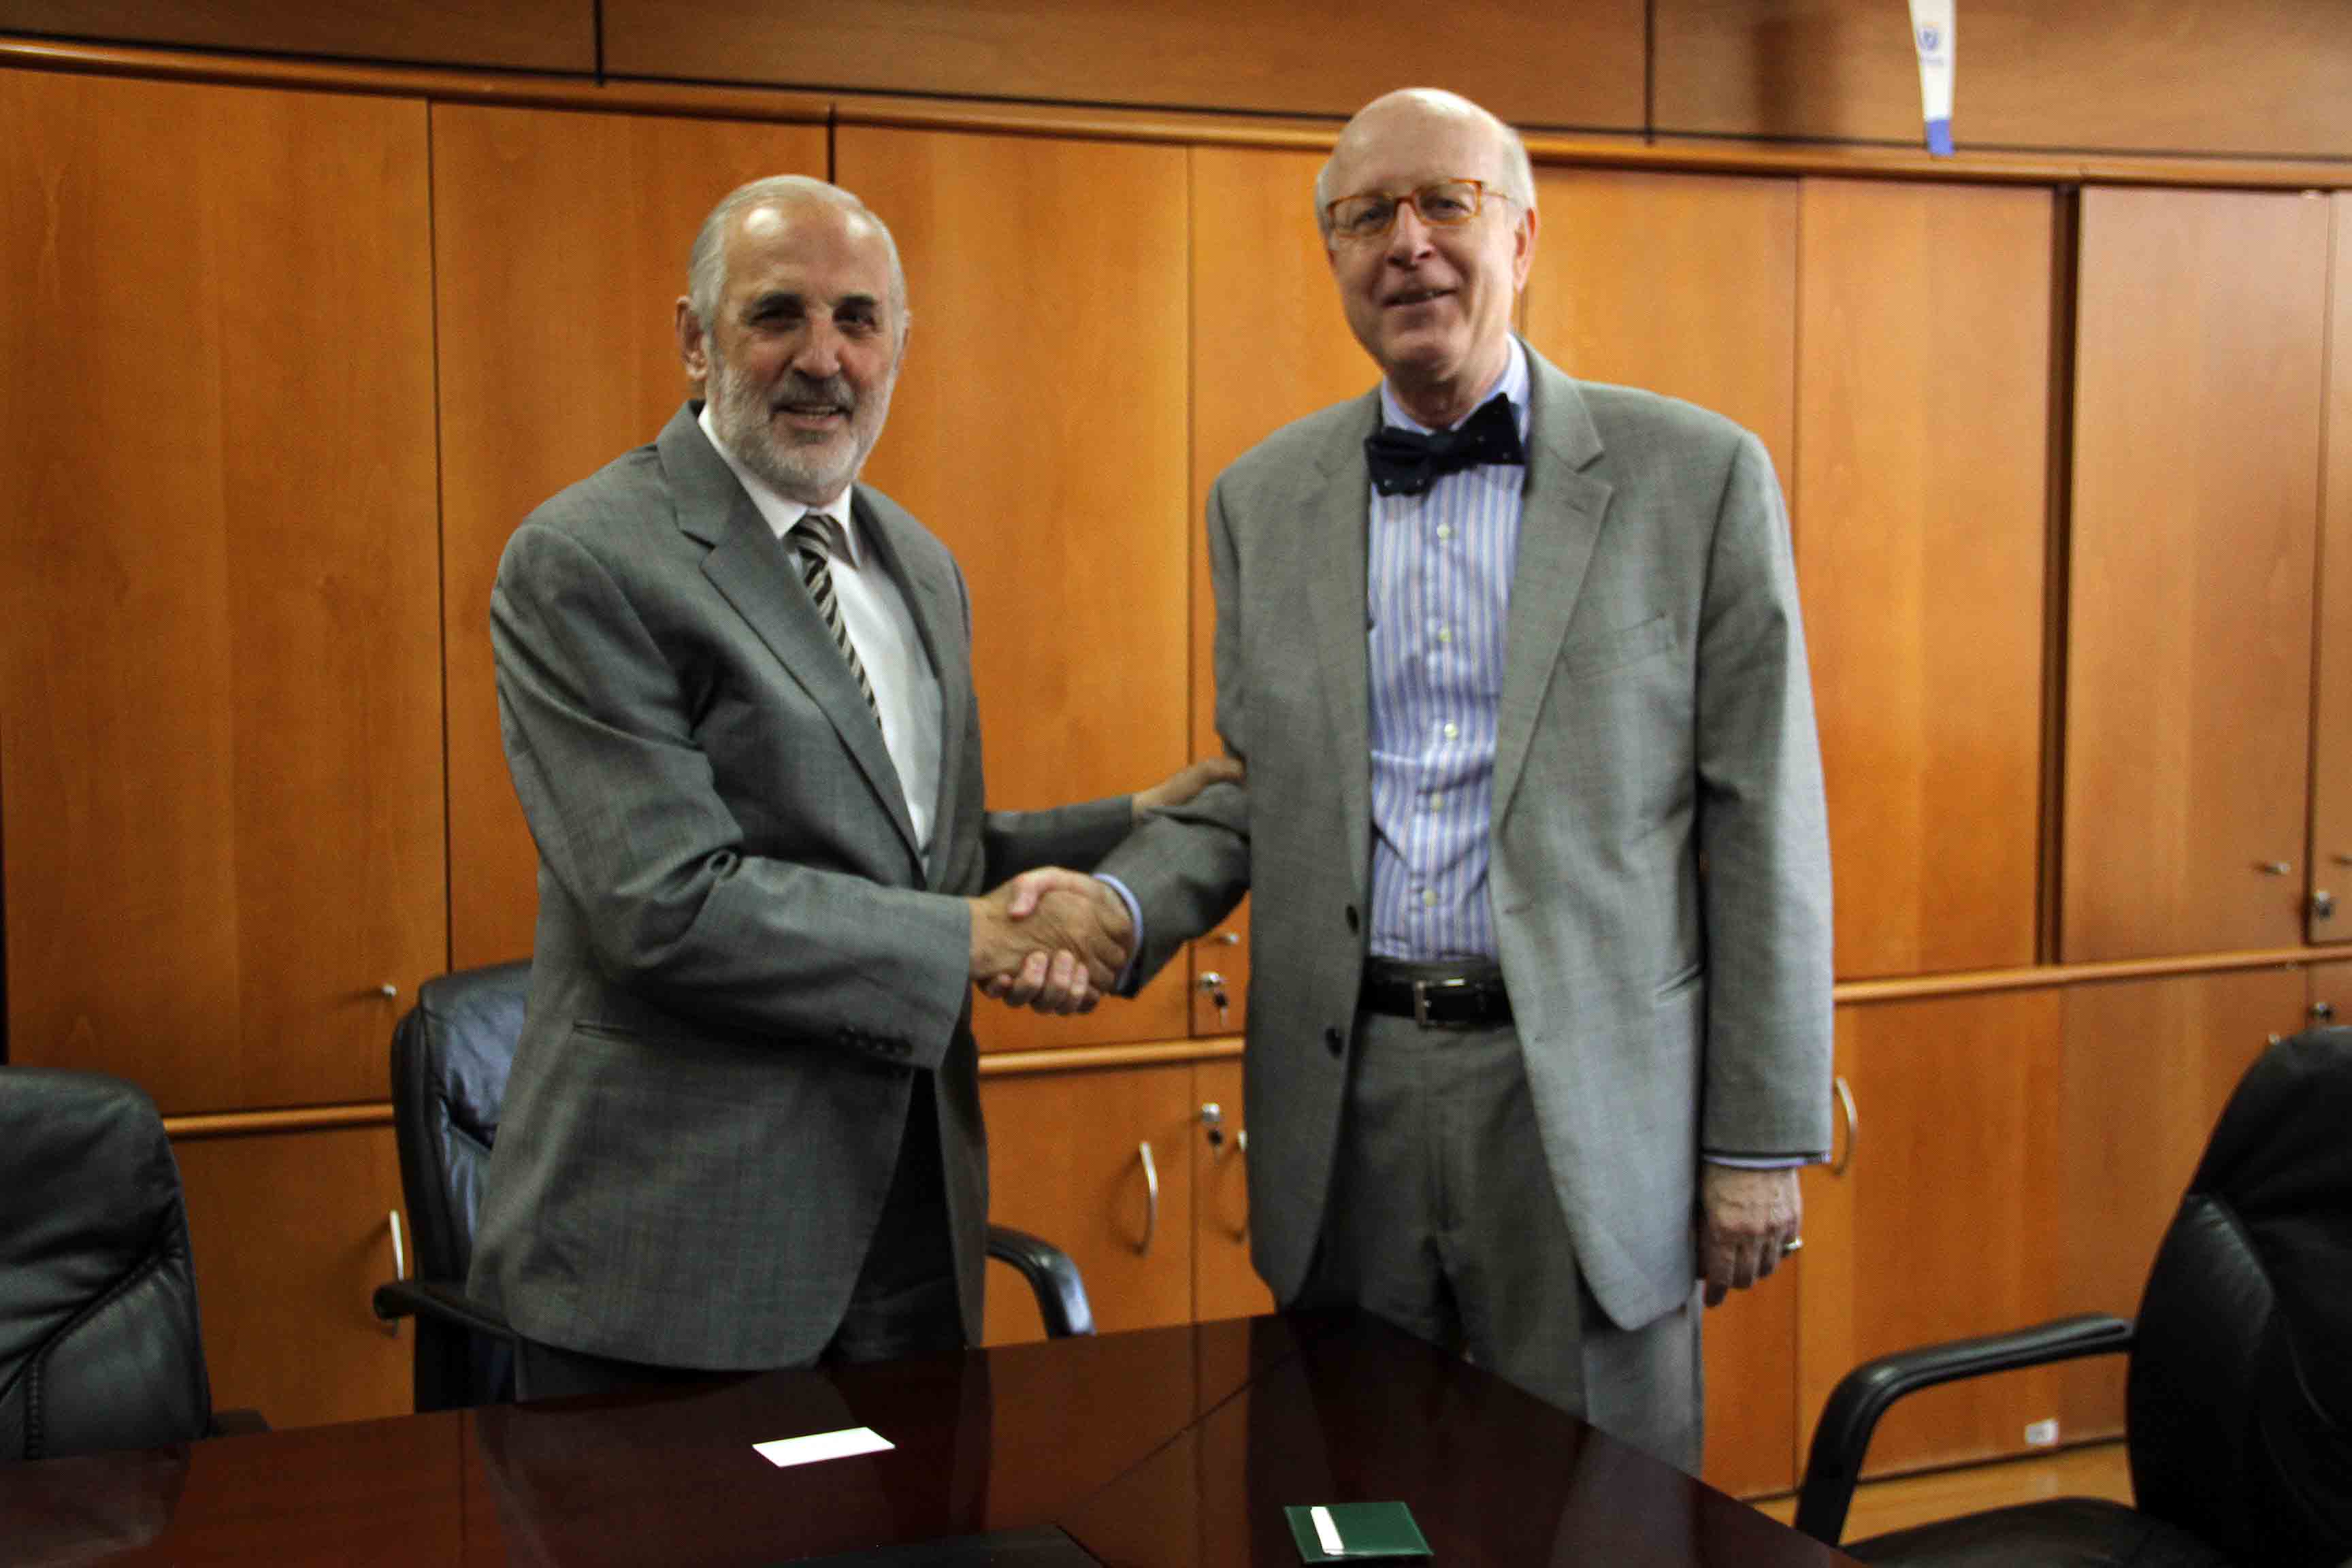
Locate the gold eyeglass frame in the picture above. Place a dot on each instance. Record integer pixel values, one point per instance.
(1482, 189)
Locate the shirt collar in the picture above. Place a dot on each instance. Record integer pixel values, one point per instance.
(775, 510)
(1512, 383)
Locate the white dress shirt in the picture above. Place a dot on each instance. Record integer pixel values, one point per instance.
(882, 630)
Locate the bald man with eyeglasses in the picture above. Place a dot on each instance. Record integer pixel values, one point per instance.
(1539, 1020)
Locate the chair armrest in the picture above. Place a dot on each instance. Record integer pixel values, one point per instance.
(1053, 1279)
(1862, 1395)
(444, 1303)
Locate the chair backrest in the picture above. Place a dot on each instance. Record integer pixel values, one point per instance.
(450, 1056)
(2239, 1393)
(99, 1345)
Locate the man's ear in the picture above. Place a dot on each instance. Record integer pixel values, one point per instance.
(1523, 248)
(693, 343)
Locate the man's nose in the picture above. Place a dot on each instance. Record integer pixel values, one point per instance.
(1408, 236)
(818, 354)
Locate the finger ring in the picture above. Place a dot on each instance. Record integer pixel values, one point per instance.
(1794, 1244)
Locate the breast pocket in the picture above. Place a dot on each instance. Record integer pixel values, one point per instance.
(1602, 652)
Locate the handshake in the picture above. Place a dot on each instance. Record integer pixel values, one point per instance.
(1052, 940)
(1058, 941)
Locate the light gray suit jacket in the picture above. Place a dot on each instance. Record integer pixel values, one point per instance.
(742, 961)
(1660, 860)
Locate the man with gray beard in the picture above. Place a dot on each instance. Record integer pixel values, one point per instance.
(735, 687)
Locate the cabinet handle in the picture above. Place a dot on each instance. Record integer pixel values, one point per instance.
(1233, 938)
(390, 1326)
(1853, 1124)
(388, 991)
(2275, 867)
(1150, 1197)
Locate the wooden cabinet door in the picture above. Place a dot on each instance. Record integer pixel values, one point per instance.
(519, 34)
(2147, 1065)
(1684, 284)
(2330, 875)
(1221, 977)
(1923, 459)
(2199, 331)
(220, 705)
(1038, 427)
(2328, 994)
(559, 248)
(290, 1233)
(1225, 1282)
(1944, 1220)
(1749, 1345)
(1100, 1164)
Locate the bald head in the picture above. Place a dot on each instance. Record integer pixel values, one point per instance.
(1419, 115)
(1431, 295)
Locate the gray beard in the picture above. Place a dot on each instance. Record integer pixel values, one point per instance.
(738, 412)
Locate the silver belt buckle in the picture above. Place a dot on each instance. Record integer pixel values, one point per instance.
(1421, 990)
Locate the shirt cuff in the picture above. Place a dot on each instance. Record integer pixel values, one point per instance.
(1125, 982)
(1763, 1161)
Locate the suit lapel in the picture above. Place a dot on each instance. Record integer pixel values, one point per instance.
(1560, 519)
(936, 601)
(752, 571)
(1335, 513)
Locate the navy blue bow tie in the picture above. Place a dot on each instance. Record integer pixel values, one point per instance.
(1405, 462)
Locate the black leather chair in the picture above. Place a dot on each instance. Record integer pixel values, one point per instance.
(99, 1346)
(2239, 1394)
(450, 1056)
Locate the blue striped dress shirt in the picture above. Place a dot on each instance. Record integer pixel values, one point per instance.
(1438, 600)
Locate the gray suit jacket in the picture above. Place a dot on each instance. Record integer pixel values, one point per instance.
(1660, 860)
(742, 960)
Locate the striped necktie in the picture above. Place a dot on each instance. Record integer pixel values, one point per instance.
(812, 538)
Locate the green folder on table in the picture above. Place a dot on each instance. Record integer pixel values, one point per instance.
(1354, 1531)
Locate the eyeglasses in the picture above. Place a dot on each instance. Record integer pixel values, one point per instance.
(1441, 203)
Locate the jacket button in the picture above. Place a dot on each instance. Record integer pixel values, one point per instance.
(1331, 1041)
(1354, 920)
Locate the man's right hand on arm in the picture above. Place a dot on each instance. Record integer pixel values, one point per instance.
(1052, 940)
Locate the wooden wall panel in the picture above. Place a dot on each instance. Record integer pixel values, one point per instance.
(2331, 740)
(2148, 1068)
(1577, 64)
(1039, 428)
(527, 34)
(1684, 284)
(220, 736)
(290, 1236)
(2197, 419)
(1922, 435)
(560, 242)
(2259, 77)
(1947, 1221)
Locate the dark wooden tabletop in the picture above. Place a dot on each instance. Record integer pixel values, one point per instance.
(1167, 1448)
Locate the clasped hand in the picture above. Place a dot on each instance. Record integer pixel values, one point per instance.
(1058, 941)
(1052, 940)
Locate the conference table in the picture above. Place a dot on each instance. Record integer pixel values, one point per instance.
(1174, 1447)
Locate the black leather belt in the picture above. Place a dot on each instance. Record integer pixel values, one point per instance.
(1437, 995)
